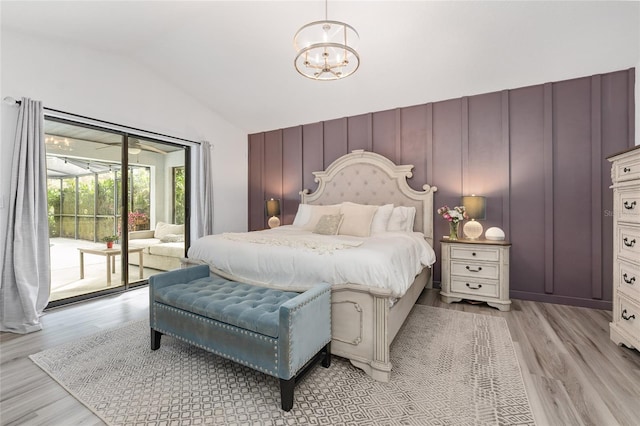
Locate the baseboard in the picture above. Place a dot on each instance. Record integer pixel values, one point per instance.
(606, 305)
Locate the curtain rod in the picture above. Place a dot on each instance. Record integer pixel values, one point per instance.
(12, 101)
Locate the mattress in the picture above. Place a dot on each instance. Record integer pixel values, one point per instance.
(291, 258)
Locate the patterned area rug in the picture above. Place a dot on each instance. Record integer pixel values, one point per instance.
(449, 368)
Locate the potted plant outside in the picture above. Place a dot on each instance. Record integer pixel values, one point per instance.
(109, 239)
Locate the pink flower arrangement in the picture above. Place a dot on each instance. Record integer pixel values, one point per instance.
(454, 215)
(133, 219)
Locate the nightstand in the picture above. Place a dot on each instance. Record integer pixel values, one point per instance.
(476, 270)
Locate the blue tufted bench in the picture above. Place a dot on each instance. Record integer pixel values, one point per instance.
(276, 332)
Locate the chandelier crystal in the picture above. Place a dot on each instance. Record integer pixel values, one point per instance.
(326, 50)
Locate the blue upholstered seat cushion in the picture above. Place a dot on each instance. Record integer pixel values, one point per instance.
(246, 306)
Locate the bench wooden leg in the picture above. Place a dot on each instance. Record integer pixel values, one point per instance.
(326, 361)
(155, 339)
(286, 393)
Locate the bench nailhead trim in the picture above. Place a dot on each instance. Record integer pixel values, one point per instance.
(226, 327)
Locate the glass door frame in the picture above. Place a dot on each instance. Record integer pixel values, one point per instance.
(124, 202)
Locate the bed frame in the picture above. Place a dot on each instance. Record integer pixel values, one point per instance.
(363, 320)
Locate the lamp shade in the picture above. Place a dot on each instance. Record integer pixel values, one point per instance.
(475, 206)
(273, 207)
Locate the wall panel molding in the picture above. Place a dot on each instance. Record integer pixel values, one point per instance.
(516, 145)
(548, 188)
(464, 142)
(506, 149)
(429, 135)
(596, 193)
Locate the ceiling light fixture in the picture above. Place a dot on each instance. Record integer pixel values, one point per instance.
(326, 49)
(134, 151)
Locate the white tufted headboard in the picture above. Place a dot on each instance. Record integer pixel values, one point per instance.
(367, 178)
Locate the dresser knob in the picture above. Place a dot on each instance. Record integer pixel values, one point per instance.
(629, 243)
(630, 280)
(474, 270)
(627, 317)
(627, 169)
(629, 205)
(474, 288)
(473, 254)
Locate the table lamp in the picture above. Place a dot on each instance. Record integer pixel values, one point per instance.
(476, 208)
(273, 211)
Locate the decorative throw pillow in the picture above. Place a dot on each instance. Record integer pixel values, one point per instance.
(402, 219)
(172, 238)
(357, 219)
(328, 224)
(381, 219)
(163, 229)
(317, 212)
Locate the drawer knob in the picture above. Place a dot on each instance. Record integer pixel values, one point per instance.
(627, 317)
(627, 169)
(629, 243)
(628, 280)
(474, 288)
(473, 254)
(474, 270)
(629, 205)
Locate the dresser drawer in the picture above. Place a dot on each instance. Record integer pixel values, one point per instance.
(626, 170)
(627, 204)
(628, 315)
(489, 254)
(628, 279)
(628, 243)
(474, 287)
(475, 269)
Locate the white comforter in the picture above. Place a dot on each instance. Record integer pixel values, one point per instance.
(288, 257)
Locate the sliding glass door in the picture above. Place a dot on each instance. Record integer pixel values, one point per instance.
(116, 208)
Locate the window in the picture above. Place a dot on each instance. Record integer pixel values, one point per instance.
(178, 195)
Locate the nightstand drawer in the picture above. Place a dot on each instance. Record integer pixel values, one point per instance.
(474, 287)
(628, 315)
(475, 253)
(628, 279)
(475, 269)
(628, 242)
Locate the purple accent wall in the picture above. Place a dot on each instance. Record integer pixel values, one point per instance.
(537, 153)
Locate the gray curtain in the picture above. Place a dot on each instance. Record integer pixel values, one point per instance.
(25, 286)
(204, 193)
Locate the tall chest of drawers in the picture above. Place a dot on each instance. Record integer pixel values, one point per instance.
(625, 175)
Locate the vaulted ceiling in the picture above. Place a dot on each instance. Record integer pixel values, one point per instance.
(237, 56)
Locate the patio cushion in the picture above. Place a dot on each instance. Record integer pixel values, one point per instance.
(163, 229)
(144, 242)
(168, 249)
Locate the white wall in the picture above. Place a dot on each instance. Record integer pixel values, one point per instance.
(115, 89)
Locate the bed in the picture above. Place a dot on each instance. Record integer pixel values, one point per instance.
(367, 309)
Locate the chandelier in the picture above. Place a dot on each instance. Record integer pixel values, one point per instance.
(326, 49)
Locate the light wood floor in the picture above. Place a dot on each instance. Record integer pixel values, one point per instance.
(573, 373)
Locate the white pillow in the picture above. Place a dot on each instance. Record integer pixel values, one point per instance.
(357, 219)
(402, 219)
(163, 229)
(303, 215)
(317, 212)
(381, 219)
